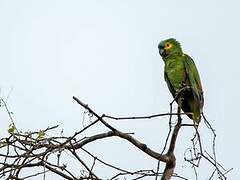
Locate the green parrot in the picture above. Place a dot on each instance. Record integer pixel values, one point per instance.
(182, 78)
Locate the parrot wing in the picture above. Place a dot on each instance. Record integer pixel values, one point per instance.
(193, 77)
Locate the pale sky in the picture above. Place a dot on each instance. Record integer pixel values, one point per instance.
(105, 53)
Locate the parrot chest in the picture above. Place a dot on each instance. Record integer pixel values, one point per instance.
(175, 72)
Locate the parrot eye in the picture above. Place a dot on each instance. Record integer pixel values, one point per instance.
(168, 46)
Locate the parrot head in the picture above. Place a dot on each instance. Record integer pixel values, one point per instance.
(168, 47)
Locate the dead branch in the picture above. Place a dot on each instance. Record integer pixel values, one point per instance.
(26, 150)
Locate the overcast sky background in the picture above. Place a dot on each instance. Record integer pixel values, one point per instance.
(105, 53)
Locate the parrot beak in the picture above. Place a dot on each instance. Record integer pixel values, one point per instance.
(161, 52)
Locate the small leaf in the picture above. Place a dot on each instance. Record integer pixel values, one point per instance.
(11, 129)
(3, 143)
(40, 135)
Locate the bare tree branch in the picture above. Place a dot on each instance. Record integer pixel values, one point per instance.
(26, 150)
